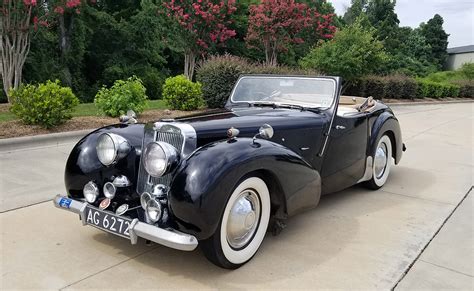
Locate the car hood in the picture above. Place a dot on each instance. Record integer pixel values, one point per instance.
(213, 125)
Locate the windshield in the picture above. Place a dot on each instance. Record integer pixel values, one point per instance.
(300, 91)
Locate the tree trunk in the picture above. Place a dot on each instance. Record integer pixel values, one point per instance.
(14, 46)
(189, 64)
(271, 53)
(66, 26)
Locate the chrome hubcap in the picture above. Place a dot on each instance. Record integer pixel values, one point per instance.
(380, 161)
(243, 219)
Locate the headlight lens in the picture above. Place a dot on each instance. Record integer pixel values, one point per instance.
(159, 157)
(153, 210)
(111, 148)
(91, 192)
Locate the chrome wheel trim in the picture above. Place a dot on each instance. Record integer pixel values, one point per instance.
(243, 219)
(381, 160)
(381, 176)
(242, 255)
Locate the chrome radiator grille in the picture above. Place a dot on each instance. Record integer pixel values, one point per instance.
(163, 133)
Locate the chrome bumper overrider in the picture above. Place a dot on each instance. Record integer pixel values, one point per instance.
(169, 238)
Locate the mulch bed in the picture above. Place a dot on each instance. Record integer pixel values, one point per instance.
(16, 128)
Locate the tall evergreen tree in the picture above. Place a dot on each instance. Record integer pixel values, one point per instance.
(382, 16)
(357, 8)
(437, 38)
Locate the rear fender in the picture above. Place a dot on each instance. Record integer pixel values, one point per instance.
(386, 122)
(204, 181)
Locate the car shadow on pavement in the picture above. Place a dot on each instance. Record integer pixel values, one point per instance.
(309, 240)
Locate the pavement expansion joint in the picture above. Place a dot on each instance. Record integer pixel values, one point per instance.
(427, 244)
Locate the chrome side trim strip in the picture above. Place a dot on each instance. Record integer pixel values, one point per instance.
(167, 237)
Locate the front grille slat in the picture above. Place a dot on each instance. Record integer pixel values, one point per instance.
(173, 136)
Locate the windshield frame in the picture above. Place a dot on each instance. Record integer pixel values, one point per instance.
(332, 79)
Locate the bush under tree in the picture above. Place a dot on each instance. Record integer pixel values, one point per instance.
(124, 95)
(218, 75)
(47, 104)
(182, 94)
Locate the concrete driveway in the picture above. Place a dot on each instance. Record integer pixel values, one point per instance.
(355, 239)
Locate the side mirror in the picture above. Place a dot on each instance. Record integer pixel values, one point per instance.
(130, 118)
(266, 131)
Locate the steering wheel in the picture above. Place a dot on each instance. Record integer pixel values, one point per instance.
(273, 94)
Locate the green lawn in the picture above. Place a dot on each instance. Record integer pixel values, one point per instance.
(87, 109)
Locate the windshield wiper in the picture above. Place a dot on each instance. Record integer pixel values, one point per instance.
(277, 105)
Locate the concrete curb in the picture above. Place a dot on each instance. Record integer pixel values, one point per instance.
(429, 102)
(42, 140)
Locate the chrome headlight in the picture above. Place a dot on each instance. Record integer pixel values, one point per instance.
(90, 192)
(109, 190)
(111, 148)
(159, 158)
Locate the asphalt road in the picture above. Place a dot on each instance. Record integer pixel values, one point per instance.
(420, 223)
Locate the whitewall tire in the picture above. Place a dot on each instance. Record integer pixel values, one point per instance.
(242, 227)
(382, 163)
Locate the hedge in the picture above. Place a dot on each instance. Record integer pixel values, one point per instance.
(380, 87)
(466, 88)
(432, 89)
(218, 75)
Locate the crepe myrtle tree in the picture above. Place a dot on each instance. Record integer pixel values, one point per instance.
(19, 20)
(202, 23)
(275, 24)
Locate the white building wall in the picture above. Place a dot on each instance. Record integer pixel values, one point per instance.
(455, 61)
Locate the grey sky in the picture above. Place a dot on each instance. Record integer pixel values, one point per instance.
(458, 16)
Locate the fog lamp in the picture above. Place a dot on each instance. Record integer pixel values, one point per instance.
(109, 190)
(153, 210)
(90, 192)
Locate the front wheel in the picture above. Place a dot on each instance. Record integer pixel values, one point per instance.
(243, 225)
(382, 163)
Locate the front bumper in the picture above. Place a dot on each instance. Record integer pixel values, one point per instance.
(169, 238)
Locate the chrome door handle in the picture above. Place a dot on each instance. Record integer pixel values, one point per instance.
(340, 127)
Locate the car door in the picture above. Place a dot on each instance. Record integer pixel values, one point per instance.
(345, 155)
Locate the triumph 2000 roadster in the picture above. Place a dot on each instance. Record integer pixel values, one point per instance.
(222, 179)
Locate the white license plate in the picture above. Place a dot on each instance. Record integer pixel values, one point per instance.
(109, 222)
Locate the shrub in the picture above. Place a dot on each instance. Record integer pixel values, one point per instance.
(467, 70)
(46, 104)
(432, 89)
(466, 88)
(122, 96)
(393, 86)
(354, 52)
(182, 94)
(218, 75)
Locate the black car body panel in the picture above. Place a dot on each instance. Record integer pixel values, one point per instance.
(312, 152)
(197, 196)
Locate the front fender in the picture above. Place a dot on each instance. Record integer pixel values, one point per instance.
(83, 165)
(386, 122)
(205, 180)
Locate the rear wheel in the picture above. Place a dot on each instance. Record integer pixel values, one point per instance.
(382, 163)
(242, 227)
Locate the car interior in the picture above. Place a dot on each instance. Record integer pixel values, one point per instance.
(349, 105)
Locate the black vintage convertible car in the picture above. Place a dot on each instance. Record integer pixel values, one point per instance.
(223, 178)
